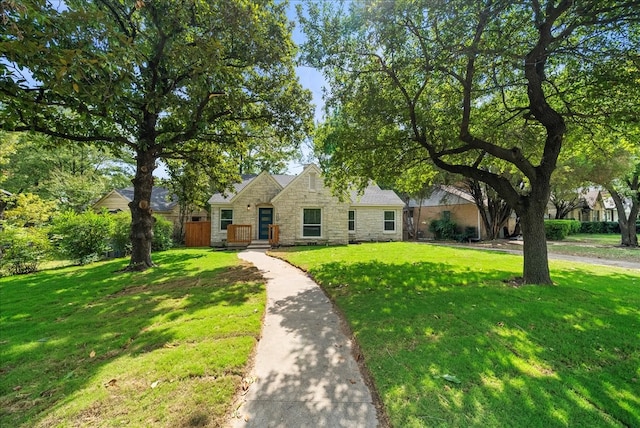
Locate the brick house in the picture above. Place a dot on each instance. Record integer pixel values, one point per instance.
(301, 210)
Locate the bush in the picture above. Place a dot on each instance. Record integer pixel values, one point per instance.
(22, 249)
(120, 240)
(600, 227)
(443, 229)
(162, 233)
(83, 237)
(557, 230)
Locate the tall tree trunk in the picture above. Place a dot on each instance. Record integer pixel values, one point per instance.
(536, 262)
(628, 232)
(141, 213)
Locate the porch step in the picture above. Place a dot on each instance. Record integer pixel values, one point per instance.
(259, 245)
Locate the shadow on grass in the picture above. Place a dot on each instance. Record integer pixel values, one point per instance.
(529, 356)
(60, 328)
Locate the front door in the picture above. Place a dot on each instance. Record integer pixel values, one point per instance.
(265, 218)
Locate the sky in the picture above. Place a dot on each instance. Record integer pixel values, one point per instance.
(310, 78)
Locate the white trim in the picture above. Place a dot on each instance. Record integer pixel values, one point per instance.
(220, 217)
(302, 224)
(395, 221)
(352, 232)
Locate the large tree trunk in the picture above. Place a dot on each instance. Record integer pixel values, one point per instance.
(536, 262)
(141, 213)
(628, 232)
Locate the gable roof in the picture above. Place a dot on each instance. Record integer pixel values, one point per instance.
(219, 198)
(160, 200)
(372, 196)
(305, 171)
(444, 195)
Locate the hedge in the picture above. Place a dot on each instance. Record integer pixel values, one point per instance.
(557, 230)
(600, 227)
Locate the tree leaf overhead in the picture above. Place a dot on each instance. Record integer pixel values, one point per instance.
(168, 79)
(484, 89)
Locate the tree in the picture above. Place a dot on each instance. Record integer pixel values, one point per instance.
(494, 211)
(165, 79)
(72, 175)
(468, 84)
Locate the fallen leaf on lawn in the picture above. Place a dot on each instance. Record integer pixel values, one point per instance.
(17, 388)
(154, 384)
(451, 378)
(112, 382)
(92, 354)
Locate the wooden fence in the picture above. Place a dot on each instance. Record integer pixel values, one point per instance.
(274, 234)
(239, 234)
(197, 234)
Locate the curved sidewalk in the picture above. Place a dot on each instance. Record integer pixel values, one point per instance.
(304, 372)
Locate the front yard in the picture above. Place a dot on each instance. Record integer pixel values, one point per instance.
(86, 346)
(450, 341)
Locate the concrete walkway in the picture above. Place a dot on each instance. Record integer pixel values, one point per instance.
(304, 372)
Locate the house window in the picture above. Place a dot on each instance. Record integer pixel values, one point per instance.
(352, 221)
(389, 221)
(226, 218)
(312, 222)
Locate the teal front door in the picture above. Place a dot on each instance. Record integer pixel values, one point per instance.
(265, 218)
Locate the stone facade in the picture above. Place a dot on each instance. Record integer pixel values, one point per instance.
(289, 197)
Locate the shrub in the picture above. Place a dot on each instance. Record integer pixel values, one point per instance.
(574, 226)
(557, 230)
(121, 241)
(82, 237)
(443, 229)
(162, 233)
(600, 227)
(22, 249)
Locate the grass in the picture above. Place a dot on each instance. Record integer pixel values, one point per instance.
(605, 246)
(450, 343)
(86, 346)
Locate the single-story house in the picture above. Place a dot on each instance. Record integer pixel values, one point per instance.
(303, 211)
(595, 204)
(449, 202)
(162, 203)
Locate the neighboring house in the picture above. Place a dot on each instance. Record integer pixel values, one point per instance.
(445, 202)
(595, 205)
(161, 203)
(448, 202)
(304, 211)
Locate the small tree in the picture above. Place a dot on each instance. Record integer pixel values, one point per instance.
(494, 211)
(22, 249)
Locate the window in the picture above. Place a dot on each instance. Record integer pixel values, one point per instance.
(389, 221)
(312, 182)
(311, 222)
(226, 218)
(352, 221)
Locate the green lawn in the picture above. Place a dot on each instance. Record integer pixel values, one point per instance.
(450, 343)
(595, 246)
(88, 346)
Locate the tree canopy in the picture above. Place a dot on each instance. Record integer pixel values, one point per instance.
(484, 89)
(197, 81)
